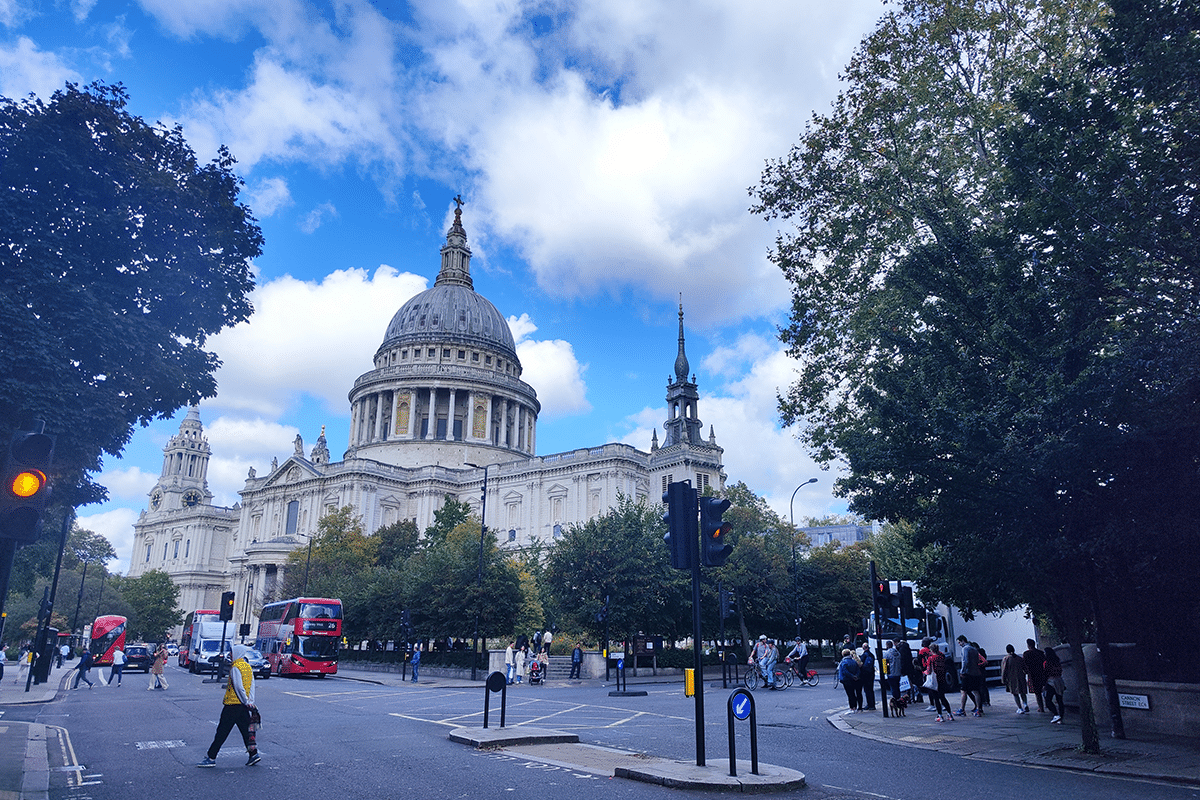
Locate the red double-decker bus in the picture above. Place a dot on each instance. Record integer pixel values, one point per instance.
(190, 622)
(301, 636)
(108, 633)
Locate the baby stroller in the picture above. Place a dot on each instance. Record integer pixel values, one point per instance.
(535, 673)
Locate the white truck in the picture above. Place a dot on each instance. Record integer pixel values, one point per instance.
(206, 643)
(944, 624)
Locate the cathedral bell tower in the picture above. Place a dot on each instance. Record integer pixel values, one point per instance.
(184, 479)
(683, 424)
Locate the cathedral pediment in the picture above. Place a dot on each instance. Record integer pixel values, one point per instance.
(293, 470)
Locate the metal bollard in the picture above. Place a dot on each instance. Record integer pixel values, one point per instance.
(495, 682)
(741, 706)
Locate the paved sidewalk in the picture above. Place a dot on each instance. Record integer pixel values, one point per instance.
(24, 760)
(1004, 735)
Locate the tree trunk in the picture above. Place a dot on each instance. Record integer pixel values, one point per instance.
(1087, 716)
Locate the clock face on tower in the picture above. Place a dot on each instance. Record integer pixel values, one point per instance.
(191, 497)
(155, 500)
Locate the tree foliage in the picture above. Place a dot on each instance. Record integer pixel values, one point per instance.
(122, 254)
(619, 555)
(441, 586)
(995, 302)
(153, 602)
(339, 555)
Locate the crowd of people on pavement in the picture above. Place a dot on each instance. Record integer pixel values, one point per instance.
(1035, 672)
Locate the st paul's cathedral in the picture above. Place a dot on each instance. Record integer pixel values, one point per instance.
(444, 402)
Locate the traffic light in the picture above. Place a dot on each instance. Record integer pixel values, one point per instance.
(713, 551)
(882, 594)
(726, 603)
(26, 487)
(226, 606)
(680, 499)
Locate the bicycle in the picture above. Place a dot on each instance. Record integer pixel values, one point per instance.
(754, 678)
(810, 678)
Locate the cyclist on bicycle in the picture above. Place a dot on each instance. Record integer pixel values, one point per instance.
(764, 655)
(801, 650)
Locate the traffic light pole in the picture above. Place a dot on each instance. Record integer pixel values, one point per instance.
(40, 642)
(698, 661)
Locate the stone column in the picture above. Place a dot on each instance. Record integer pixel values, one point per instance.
(431, 429)
(375, 435)
(450, 416)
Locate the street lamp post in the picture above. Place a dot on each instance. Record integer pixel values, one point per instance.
(795, 569)
(479, 578)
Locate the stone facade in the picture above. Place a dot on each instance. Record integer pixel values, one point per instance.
(443, 412)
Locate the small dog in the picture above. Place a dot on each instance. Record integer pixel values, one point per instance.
(897, 705)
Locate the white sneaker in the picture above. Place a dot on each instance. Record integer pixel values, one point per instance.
(1057, 720)
(931, 708)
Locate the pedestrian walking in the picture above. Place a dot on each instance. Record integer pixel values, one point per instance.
(1012, 675)
(1054, 686)
(848, 670)
(935, 666)
(156, 670)
(1035, 668)
(118, 667)
(416, 660)
(237, 708)
(970, 676)
(81, 670)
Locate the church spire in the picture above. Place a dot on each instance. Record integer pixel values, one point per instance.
(681, 362)
(456, 256)
(683, 425)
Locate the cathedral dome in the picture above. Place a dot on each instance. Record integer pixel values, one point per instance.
(450, 313)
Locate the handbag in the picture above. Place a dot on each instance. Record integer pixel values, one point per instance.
(931, 682)
(905, 684)
(255, 717)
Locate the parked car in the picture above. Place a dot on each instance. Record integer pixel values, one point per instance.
(172, 649)
(259, 664)
(137, 656)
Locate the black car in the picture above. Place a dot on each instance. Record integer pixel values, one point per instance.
(137, 656)
(259, 664)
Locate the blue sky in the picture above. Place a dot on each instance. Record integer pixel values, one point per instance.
(604, 152)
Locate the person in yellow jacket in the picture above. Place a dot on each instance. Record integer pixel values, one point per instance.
(236, 709)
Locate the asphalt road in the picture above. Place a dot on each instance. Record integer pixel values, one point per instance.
(341, 738)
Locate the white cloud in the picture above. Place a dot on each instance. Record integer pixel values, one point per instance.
(24, 69)
(81, 8)
(307, 337)
(553, 371)
(315, 218)
(268, 195)
(551, 368)
(128, 484)
(613, 152)
(116, 526)
(12, 13)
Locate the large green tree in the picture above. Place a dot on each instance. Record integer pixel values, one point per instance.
(339, 554)
(153, 602)
(619, 555)
(995, 299)
(121, 255)
(441, 585)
